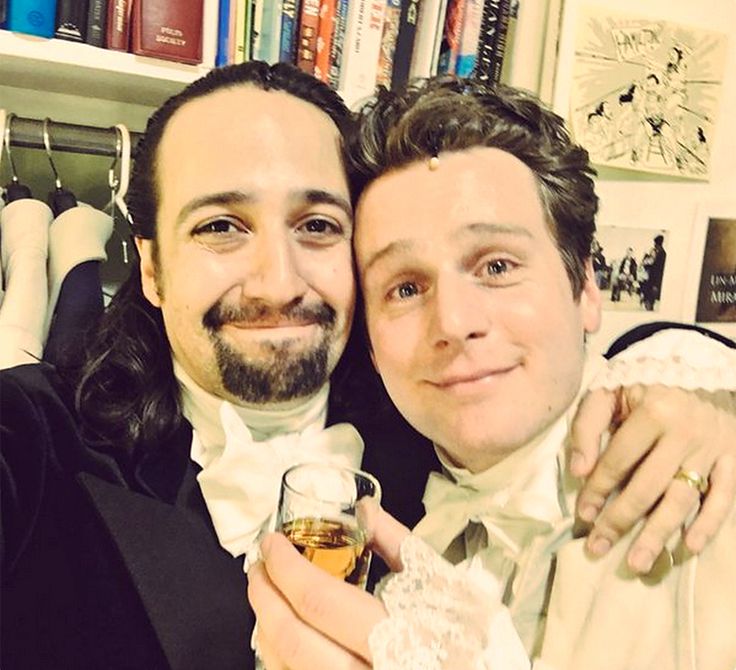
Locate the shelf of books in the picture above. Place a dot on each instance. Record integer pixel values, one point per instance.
(143, 51)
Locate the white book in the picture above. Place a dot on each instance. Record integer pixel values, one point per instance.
(362, 47)
(525, 57)
(268, 45)
(428, 37)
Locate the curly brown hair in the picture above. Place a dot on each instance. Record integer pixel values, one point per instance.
(447, 113)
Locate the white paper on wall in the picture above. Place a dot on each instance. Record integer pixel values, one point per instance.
(645, 93)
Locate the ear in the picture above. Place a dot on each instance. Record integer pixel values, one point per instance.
(590, 300)
(148, 271)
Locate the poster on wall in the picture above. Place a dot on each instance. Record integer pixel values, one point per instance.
(645, 93)
(715, 234)
(629, 266)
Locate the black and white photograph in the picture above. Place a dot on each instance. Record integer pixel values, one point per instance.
(629, 265)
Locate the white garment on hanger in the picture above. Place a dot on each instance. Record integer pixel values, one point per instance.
(76, 236)
(25, 232)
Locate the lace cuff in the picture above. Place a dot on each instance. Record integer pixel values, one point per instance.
(443, 617)
(675, 357)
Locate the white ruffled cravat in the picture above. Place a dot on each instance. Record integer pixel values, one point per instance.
(241, 486)
(244, 452)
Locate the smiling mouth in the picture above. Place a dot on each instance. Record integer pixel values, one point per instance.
(470, 381)
(275, 324)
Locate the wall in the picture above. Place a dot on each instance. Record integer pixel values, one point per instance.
(636, 200)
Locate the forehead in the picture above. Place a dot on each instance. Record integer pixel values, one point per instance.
(476, 186)
(221, 138)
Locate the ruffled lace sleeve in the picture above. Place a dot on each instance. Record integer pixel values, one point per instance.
(443, 617)
(675, 357)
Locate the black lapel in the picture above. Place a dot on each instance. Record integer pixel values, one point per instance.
(193, 591)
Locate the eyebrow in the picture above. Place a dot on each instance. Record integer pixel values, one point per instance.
(474, 229)
(230, 198)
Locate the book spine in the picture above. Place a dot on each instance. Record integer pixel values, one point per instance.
(338, 43)
(238, 11)
(490, 27)
(386, 54)
(289, 31)
(469, 39)
(168, 29)
(96, 22)
(118, 25)
(33, 17)
(424, 41)
(223, 30)
(499, 46)
(308, 28)
(405, 43)
(71, 20)
(267, 48)
(327, 10)
(3, 13)
(362, 45)
(254, 28)
(451, 35)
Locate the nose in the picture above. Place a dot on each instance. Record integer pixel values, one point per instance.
(273, 270)
(458, 314)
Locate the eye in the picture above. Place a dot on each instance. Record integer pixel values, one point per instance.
(219, 225)
(497, 271)
(321, 227)
(497, 266)
(403, 291)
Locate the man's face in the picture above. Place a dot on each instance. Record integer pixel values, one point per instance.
(470, 312)
(254, 277)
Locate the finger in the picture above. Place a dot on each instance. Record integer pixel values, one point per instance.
(387, 535)
(679, 502)
(717, 504)
(284, 641)
(341, 611)
(628, 445)
(647, 485)
(592, 420)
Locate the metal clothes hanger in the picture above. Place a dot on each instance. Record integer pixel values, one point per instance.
(118, 178)
(60, 199)
(15, 190)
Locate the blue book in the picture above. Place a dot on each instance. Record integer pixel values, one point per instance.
(223, 32)
(34, 17)
(289, 30)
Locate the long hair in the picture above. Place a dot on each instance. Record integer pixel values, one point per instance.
(447, 113)
(125, 391)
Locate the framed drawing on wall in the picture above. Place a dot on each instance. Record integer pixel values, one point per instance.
(712, 286)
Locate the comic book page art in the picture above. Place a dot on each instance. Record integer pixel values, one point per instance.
(646, 93)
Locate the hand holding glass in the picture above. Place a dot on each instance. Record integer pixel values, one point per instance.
(320, 513)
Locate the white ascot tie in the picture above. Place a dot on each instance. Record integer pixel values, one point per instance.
(451, 507)
(241, 485)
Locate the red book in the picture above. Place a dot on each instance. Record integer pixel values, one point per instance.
(117, 36)
(324, 39)
(168, 29)
(308, 29)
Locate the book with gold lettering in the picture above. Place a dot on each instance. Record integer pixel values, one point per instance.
(117, 36)
(168, 29)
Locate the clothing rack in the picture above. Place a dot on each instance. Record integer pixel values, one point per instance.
(71, 137)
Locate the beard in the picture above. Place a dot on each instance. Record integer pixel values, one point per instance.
(281, 374)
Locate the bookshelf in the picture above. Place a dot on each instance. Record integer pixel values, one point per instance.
(58, 66)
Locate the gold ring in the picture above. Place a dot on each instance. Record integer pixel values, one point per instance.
(693, 479)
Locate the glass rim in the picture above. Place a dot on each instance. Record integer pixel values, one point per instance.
(331, 466)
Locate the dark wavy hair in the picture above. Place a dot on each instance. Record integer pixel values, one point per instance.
(126, 393)
(447, 113)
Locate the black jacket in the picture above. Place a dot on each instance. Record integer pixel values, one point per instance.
(107, 568)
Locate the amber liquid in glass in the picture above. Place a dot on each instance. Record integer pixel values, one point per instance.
(333, 546)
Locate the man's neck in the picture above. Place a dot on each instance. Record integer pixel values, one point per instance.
(202, 409)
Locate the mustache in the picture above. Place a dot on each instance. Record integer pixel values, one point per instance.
(257, 312)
